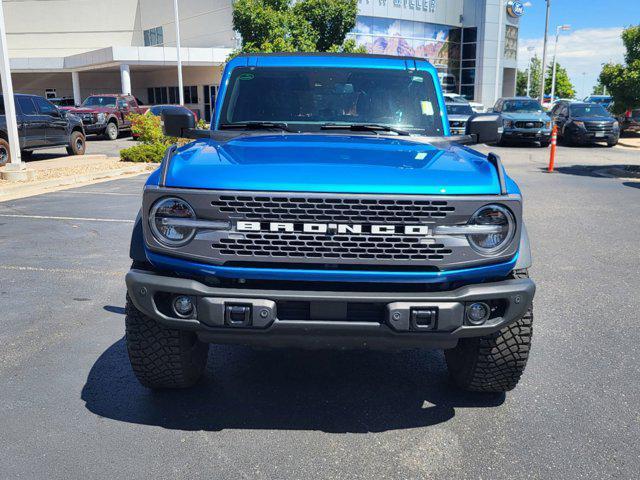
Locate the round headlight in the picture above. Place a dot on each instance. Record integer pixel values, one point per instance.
(499, 237)
(164, 221)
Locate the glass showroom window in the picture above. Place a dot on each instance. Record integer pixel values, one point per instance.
(153, 36)
(468, 71)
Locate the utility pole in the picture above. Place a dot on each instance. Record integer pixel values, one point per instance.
(16, 167)
(555, 51)
(544, 52)
(177, 19)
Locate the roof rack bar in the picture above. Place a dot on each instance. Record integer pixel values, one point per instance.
(168, 155)
(494, 159)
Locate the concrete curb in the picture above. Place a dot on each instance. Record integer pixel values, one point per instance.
(21, 190)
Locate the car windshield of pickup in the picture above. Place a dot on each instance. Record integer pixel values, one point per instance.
(522, 106)
(98, 101)
(459, 109)
(310, 99)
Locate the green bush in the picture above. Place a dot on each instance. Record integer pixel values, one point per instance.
(144, 152)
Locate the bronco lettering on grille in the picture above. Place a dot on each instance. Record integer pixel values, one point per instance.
(330, 228)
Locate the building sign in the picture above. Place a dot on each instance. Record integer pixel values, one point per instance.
(515, 8)
(420, 5)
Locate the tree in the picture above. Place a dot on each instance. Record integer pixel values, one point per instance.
(623, 81)
(564, 87)
(521, 79)
(303, 26)
(598, 89)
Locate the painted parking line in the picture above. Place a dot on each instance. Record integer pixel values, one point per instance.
(97, 192)
(79, 219)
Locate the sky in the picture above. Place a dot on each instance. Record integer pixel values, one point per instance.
(594, 37)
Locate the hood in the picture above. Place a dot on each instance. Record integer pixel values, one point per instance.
(332, 163)
(81, 110)
(526, 116)
(458, 118)
(594, 119)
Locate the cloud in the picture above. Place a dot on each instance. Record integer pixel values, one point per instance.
(579, 51)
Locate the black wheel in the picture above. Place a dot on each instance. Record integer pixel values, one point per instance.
(77, 144)
(26, 154)
(545, 143)
(612, 143)
(493, 363)
(5, 155)
(111, 131)
(162, 357)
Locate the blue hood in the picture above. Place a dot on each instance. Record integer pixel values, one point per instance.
(524, 116)
(333, 163)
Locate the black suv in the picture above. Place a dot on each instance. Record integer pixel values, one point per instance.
(41, 125)
(584, 123)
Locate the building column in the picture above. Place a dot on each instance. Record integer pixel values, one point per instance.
(125, 79)
(75, 81)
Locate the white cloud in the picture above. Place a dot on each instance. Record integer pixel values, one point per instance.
(579, 51)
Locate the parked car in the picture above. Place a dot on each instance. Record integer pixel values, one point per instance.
(291, 223)
(584, 123)
(107, 114)
(458, 114)
(456, 97)
(523, 120)
(41, 125)
(629, 121)
(604, 100)
(63, 103)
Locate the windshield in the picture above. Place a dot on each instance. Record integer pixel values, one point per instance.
(593, 110)
(459, 109)
(99, 102)
(522, 106)
(307, 98)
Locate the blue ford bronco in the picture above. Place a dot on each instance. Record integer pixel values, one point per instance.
(328, 206)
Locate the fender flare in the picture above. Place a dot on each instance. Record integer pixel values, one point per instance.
(136, 248)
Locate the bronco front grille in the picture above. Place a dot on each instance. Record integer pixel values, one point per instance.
(327, 248)
(334, 209)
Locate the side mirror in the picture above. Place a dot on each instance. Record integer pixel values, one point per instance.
(176, 122)
(484, 128)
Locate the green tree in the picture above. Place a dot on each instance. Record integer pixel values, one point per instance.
(598, 89)
(564, 87)
(623, 81)
(521, 79)
(303, 26)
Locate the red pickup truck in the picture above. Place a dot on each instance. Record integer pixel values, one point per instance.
(107, 114)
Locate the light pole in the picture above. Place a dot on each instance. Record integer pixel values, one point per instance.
(15, 165)
(177, 19)
(499, 52)
(529, 49)
(544, 52)
(559, 28)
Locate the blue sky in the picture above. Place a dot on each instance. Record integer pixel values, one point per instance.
(594, 37)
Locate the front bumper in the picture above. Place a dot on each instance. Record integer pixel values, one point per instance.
(584, 136)
(326, 323)
(94, 128)
(527, 135)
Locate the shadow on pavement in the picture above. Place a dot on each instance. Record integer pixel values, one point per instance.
(610, 171)
(632, 184)
(330, 391)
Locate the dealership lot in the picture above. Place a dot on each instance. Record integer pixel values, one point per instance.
(71, 408)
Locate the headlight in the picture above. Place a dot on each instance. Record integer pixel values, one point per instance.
(497, 238)
(166, 220)
(578, 124)
(507, 123)
(547, 125)
(101, 117)
(616, 125)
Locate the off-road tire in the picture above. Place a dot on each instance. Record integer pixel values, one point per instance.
(495, 362)
(162, 357)
(111, 131)
(4, 146)
(77, 144)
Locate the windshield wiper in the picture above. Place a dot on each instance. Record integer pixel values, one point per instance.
(363, 127)
(258, 126)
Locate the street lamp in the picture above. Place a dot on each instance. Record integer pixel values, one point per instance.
(559, 28)
(544, 52)
(529, 49)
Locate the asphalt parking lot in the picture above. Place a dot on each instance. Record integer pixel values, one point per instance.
(71, 408)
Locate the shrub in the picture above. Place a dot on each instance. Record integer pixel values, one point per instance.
(145, 152)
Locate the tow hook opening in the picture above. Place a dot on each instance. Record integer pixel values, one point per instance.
(236, 315)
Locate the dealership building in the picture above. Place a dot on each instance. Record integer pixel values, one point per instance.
(74, 48)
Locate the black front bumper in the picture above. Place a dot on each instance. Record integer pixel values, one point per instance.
(394, 329)
(526, 136)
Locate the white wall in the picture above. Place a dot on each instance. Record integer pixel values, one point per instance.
(56, 28)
